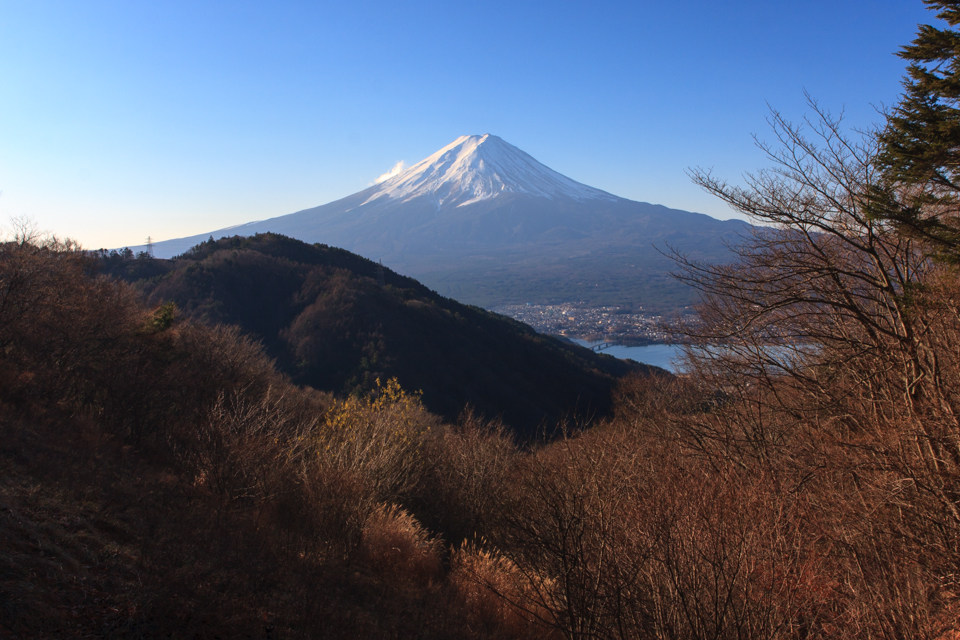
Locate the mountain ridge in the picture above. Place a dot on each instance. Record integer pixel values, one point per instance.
(480, 199)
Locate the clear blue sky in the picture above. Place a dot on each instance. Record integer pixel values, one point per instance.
(123, 119)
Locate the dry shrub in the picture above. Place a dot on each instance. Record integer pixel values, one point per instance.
(468, 466)
(495, 595)
(394, 544)
(380, 437)
(575, 523)
(621, 534)
(206, 362)
(64, 333)
(641, 399)
(870, 436)
(238, 449)
(817, 507)
(320, 512)
(735, 556)
(834, 340)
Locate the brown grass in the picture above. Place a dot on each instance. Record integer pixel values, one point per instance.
(395, 545)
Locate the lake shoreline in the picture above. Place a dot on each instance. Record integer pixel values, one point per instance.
(663, 355)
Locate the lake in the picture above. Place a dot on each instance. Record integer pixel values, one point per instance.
(659, 355)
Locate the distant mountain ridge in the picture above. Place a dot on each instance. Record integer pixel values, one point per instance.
(484, 222)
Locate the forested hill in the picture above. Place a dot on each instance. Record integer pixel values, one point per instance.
(322, 314)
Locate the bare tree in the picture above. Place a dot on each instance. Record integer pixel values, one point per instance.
(817, 271)
(833, 346)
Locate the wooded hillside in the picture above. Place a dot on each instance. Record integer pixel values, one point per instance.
(160, 478)
(322, 315)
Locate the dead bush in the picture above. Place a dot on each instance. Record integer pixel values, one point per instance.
(835, 339)
(394, 544)
(64, 332)
(574, 523)
(467, 467)
(380, 437)
(495, 595)
(322, 511)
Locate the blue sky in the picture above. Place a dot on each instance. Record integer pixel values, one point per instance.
(120, 120)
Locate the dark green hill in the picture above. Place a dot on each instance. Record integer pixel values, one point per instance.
(321, 313)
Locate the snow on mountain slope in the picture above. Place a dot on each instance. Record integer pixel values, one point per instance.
(477, 196)
(475, 168)
(483, 222)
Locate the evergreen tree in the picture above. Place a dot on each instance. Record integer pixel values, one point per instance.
(920, 145)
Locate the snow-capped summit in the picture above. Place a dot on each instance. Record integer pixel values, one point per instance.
(482, 221)
(475, 168)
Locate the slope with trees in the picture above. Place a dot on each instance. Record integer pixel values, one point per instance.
(320, 312)
(162, 479)
(159, 478)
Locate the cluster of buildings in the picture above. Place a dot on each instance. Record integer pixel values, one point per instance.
(607, 323)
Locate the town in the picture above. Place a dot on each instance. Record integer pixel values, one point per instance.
(614, 324)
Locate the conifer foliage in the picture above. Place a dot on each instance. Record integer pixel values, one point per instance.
(920, 146)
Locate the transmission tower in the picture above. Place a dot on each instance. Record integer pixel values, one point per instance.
(150, 246)
(380, 274)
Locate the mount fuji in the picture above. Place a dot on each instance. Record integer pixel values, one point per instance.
(486, 223)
